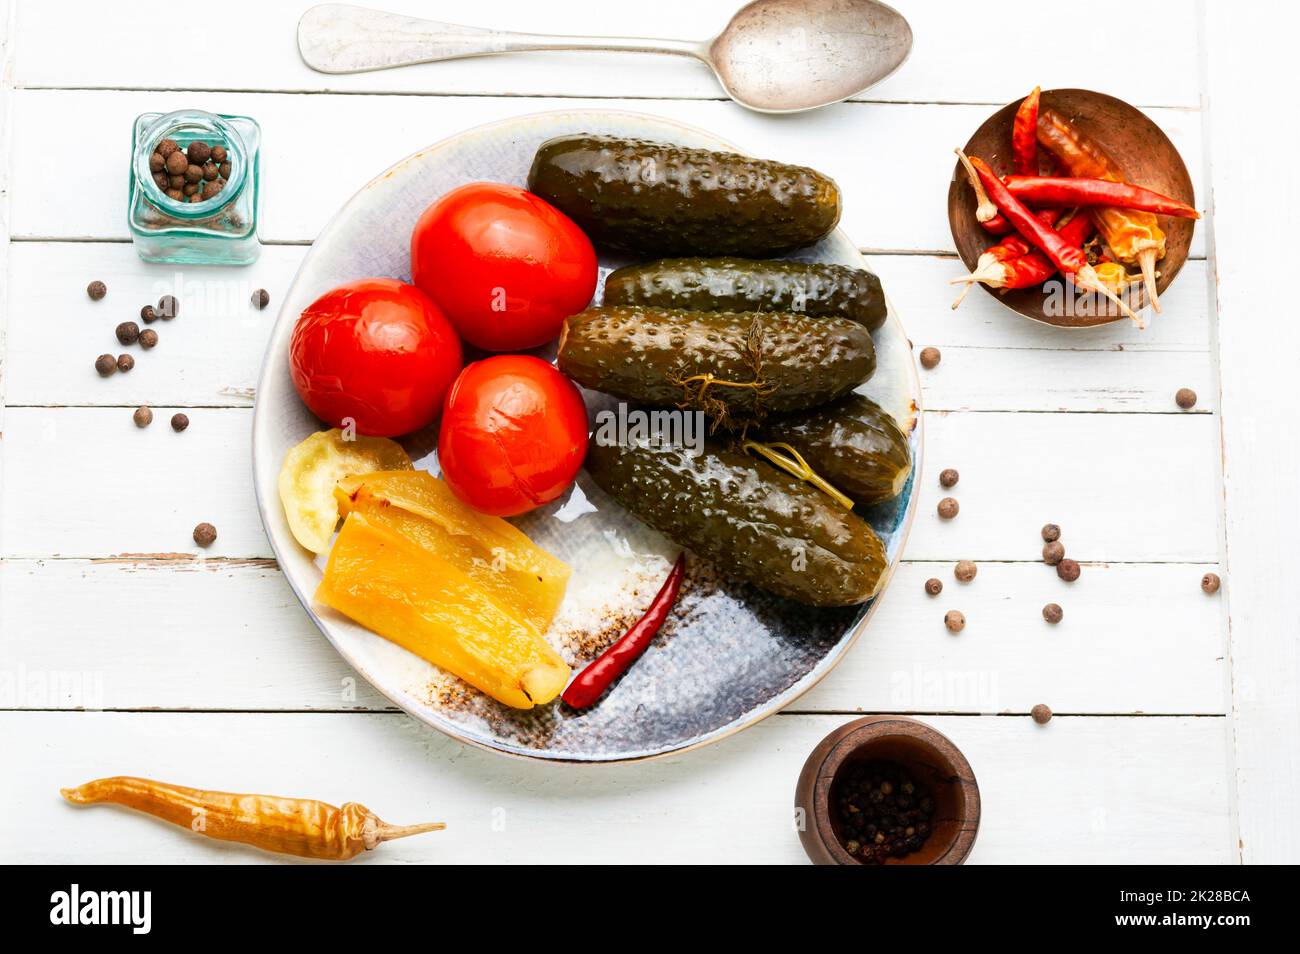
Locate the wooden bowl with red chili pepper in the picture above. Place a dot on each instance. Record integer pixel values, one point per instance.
(887, 789)
(1098, 146)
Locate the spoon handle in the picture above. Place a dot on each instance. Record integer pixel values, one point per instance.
(341, 38)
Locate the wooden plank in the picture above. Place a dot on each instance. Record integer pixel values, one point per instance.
(1258, 344)
(54, 55)
(1076, 791)
(78, 651)
(1126, 487)
(893, 161)
(993, 360)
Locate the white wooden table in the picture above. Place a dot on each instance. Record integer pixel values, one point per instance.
(124, 650)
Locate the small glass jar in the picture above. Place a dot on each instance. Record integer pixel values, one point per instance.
(219, 230)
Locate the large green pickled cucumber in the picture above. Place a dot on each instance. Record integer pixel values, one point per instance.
(746, 517)
(740, 284)
(727, 364)
(853, 443)
(653, 198)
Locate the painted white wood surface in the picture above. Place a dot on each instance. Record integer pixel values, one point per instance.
(1078, 790)
(1135, 483)
(1259, 345)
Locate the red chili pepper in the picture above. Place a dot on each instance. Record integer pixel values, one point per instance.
(998, 269)
(1024, 136)
(1064, 192)
(1069, 261)
(591, 683)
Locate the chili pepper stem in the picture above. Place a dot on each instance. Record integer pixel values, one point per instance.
(1147, 259)
(986, 209)
(962, 297)
(1087, 279)
(387, 832)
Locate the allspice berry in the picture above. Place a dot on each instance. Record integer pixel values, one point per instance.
(177, 163)
(175, 182)
(168, 307)
(218, 154)
(209, 170)
(205, 534)
(948, 508)
(1041, 714)
(934, 586)
(1185, 398)
(156, 162)
(148, 338)
(143, 417)
(1053, 613)
(261, 298)
(180, 422)
(128, 332)
(1068, 570)
(948, 477)
(148, 315)
(223, 170)
(167, 147)
(964, 571)
(930, 358)
(105, 364)
(177, 194)
(198, 152)
(1210, 583)
(125, 363)
(1051, 532)
(1053, 553)
(954, 620)
(96, 290)
(193, 173)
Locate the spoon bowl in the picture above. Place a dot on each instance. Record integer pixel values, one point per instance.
(775, 56)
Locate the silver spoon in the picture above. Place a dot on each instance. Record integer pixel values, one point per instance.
(775, 56)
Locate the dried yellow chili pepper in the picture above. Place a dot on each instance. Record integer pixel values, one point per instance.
(292, 826)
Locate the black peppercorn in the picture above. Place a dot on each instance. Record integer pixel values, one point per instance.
(261, 298)
(948, 508)
(148, 338)
(930, 358)
(105, 364)
(96, 290)
(128, 332)
(168, 307)
(1051, 532)
(934, 586)
(1068, 570)
(176, 163)
(205, 534)
(180, 422)
(948, 478)
(1053, 553)
(1210, 583)
(198, 152)
(125, 363)
(1053, 613)
(143, 417)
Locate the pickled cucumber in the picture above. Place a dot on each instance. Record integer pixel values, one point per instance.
(656, 199)
(732, 365)
(739, 284)
(748, 518)
(853, 443)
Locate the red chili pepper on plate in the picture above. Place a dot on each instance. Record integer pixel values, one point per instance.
(1024, 136)
(590, 684)
(1063, 192)
(1025, 270)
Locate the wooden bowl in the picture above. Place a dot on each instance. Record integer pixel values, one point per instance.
(1137, 144)
(928, 755)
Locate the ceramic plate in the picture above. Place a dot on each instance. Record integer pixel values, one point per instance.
(731, 655)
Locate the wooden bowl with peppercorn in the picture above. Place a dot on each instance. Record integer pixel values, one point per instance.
(887, 790)
(1096, 133)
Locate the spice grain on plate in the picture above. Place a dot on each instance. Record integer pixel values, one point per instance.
(965, 570)
(148, 338)
(934, 586)
(1210, 583)
(143, 416)
(105, 364)
(1185, 398)
(205, 534)
(96, 290)
(1068, 570)
(930, 358)
(948, 477)
(948, 508)
(955, 620)
(180, 422)
(127, 332)
(1053, 613)
(1051, 532)
(261, 298)
(125, 363)
(1053, 553)
(148, 315)
(1041, 714)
